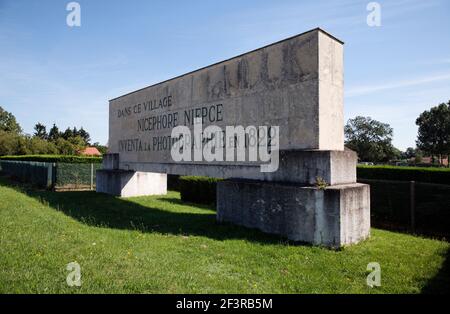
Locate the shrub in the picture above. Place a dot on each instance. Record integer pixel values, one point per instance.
(200, 190)
(395, 173)
(55, 158)
(173, 182)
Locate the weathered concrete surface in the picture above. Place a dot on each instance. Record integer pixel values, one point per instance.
(335, 216)
(302, 167)
(130, 183)
(110, 161)
(331, 96)
(296, 84)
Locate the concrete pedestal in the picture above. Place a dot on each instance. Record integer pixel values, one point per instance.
(127, 183)
(335, 216)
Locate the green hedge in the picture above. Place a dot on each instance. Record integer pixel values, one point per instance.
(203, 190)
(200, 190)
(396, 173)
(55, 158)
(173, 182)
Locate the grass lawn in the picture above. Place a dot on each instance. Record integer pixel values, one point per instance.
(160, 245)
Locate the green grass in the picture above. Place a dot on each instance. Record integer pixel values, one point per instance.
(160, 245)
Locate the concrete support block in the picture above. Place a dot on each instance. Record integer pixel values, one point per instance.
(335, 216)
(304, 167)
(110, 161)
(130, 183)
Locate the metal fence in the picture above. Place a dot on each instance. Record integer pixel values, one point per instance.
(58, 176)
(418, 207)
(38, 173)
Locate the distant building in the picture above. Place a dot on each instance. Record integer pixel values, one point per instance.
(429, 160)
(90, 151)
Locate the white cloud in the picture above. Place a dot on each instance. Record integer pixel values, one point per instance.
(371, 88)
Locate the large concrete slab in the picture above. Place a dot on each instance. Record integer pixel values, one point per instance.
(296, 84)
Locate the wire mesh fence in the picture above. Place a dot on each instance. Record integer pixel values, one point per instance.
(70, 176)
(36, 173)
(422, 208)
(59, 175)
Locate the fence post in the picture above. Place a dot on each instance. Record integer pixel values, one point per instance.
(50, 173)
(92, 176)
(54, 175)
(412, 201)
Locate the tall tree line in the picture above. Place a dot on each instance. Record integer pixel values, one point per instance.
(14, 142)
(372, 139)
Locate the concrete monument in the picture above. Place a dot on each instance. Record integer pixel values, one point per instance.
(291, 94)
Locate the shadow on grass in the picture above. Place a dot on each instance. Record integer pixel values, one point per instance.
(440, 283)
(177, 201)
(101, 210)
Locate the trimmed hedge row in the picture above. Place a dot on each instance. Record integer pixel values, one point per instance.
(200, 190)
(396, 173)
(203, 190)
(390, 200)
(55, 158)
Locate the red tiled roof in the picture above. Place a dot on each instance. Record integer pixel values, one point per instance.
(90, 151)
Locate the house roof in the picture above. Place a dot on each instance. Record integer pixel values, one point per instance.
(91, 151)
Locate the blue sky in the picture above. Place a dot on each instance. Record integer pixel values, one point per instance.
(52, 73)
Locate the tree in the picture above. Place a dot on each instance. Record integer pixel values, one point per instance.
(410, 153)
(71, 146)
(418, 157)
(396, 154)
(434, 131)
(68, 133)
(371, 139)
(8, 143)
(18, 144)
(54, 133)
(22, 146)
(8, 122)
(77, 142)
(84, 135)
(38, 146)
(101, 148)
(13, 142)
(40, 131)
(64, 147)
